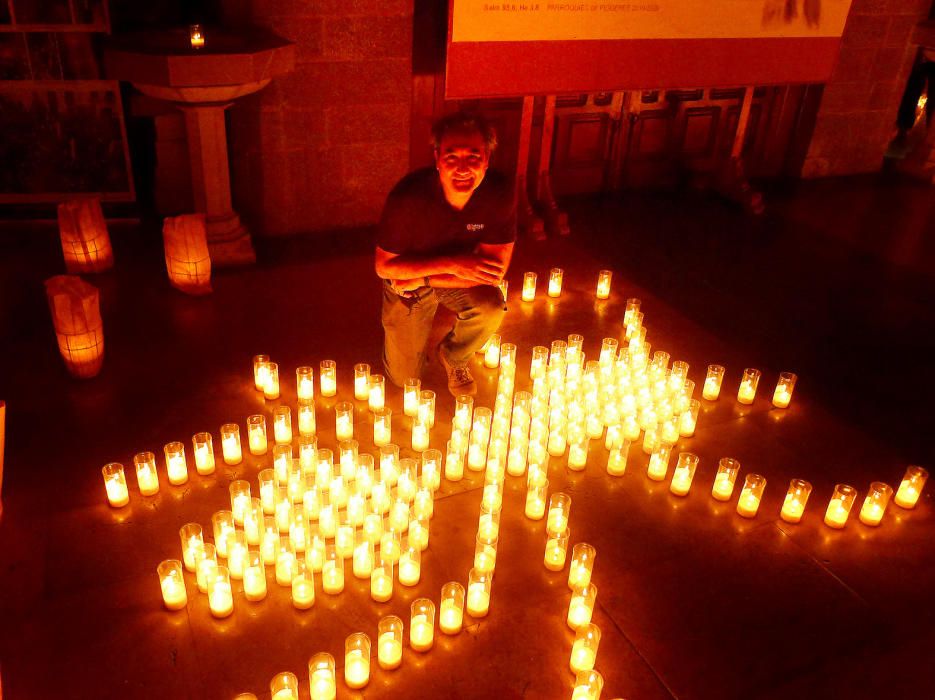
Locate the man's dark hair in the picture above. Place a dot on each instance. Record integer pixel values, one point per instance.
(464, 123)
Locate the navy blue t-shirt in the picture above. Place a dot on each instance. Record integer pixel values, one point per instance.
(418, 219)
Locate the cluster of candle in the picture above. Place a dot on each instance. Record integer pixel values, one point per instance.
(556, 281)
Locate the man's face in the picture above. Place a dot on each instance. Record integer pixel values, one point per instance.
(462, 161)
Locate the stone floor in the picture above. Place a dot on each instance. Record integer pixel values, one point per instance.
(835, 283)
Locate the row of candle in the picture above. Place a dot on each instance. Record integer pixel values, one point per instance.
(556, 280)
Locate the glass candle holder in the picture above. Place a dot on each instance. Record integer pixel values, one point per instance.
(206, 562)
(266, 480)
(286, 561)
(332, 571)
(381, 580)
(237, 551)
(176, 465)
(451, 608)
(362, 381)
(308, 454)
(423, 505)
(420, 434)
(529, 286)
(282, 425)
(584, 649)
(659, 462)
(315, 552)
(539, 362)
(390, 545)
(556, 548)
(748, 384)
(253, 522)
(588, 686)
(431, 469)
(344, 420)
(749, 502)
(196, 37)
(492, 352)
(793, 506)
(426, 411)
(634, 327)
(172, 583)
(878, 498)
(303, 586)
(321, 679)
(305, 383)
(617, 459)
(478, 593)
(344, 539)
(357, 660)
(689, 418)
(328, 378)
(147, 478)
(724, 480)
(683, 474)
(410, 566)
(271, 389)
(389, 464)
(376, 397)
(782, 395)
(582, 565)
(260, 371)
(254, 577)
(283, 508)
(389, 642)
(556, 275)
(307, 423)
(382, 426)
(839, 508)
(578, 453)
(193, 541)
(632, 307)
(422, 624)
(535, 500)
(559, 511)
(256, 434)
(348, 453)
(239, 490)
(284, 686)
(485, 554)
(712, 383)
(230, 444)
(604, 278)
(220, 593)
(488, 524)
(411, 389)
(581, 606)
(362, 561)
(907, 495)
(203, 449)
(115, 484)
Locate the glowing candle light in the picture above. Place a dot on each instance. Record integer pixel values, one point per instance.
(422, 624)
(485, 554)
(196, 36)
(220, 593)
(203, 449)
(784, 388)
(357, 660)
(260, 371)
(321, 680)
(410, 566)
(283, 508)
(420, 435)
(362, 381)
(556, 275)
(193, 541)
(581, 606)
(617, 459)
(377, 391)
(907, 495)
(115, 485)
(878, 498)
(712, 383)
(282, 425)
(254, 578)
(727, 472)
(749, 502)
(305, 383)
(344, 420)
(492, 353)
(633, 307)
(284, 686)
(488, 524)
(390, 545)
(285, 562)
(362, 565)
(382, 426)
(176, 466)
(529, 286)
(271, 388)
(315, 552)
(253, 521)
(793, 506)
(332, 572)
(478, 593)
(240, 499)
(578, 454)
(303, 586)
(535, 500)
(237, 553)
(451, 608)
(588, 686)
(328, 377)
(344, 540)
(390, 642)
(556, 548)
(423, 505)
(582, 565)
(308, 455)
(380, 498)
(689, 419)
(683, 474)
(559, 509)
(407, 484)
(584, 649)
(411, 390)
(230, 444)
(839, 508)
(381, 580)
(748, 385)
(659, 462)
(172, 583)
(604, 278)
(206, 562)
(256, 434)
(146, 475)
(307, 422)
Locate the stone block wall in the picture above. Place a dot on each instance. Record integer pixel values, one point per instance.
(857, 116)
(321, 147)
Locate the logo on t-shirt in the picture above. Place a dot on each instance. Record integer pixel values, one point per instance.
(474, 227)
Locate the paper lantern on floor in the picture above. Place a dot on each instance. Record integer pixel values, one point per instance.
(76, 314)
(85, 241)
(187, 258)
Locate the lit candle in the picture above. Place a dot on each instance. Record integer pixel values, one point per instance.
(377, 391)
(256, 434)
(451, 613)
(285, 562)
(749, 502)
(410, 566)
(271, 388)
(390, 642)
(220, 594)
(584, 649)
(748, 384)
(529, 286)
(555, 282)
(146, 476)
(173, 584)
(683, 474)
(784, 387)
(488, 525)
(206, 562)
(659, 462)
(556, 548)
(411, 390)
(535, 500)
(230, 444)
(727, 472)
(321, 680)
(390, 546)
(115, 484)
(196, 35)
(357, 660)
(581, 606)
(332, 572)
(603, 284)
(839, 508)
(307, 423)
(192, 537)
(559, 507)
(582, 565)
(588, 685)
(478, 593)
(911, 487)
(282, 425)
(328, 377)
(240, 499)
(382, 426)
(878, 498)
(362, 381)
(203, 450)
(492, 352)
(422, 625)
(254, 578)
(712, 383)
(260, 371)
(420, 435)
(381, 580)
(344, 420)
(284, 686)
(689, 418)
(305, 383)
(303, 587)
(578, 454)
(237, 553)
(363, 557)
(793, 506)
(485, 554)
(617, 459)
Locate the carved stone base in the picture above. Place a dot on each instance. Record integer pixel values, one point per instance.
(229, 242)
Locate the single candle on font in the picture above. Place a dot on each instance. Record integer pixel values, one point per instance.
(556, 548)
(529, 286)
(727, 472)
(604, 278)
(357, 660)
(556, 276)
(793, 506)
(147, 478)
(581, 606)
(172, 583)
(203, 449)
(478, 593)
(535, 499)
(782, 395)
(422, 624)
(230, 444)
(878, 498)
(196, 36)
(839, 507)
(748, 384)
(328, 378)
(582, 565)
(584, 648)
(907, 495)
(115, 484)
(451, 608)
(321, 679)
(256, 434)
(749, 502)
(284, 686)
(390, 642)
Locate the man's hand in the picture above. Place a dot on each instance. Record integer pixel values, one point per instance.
(477, 268)
(402, 287)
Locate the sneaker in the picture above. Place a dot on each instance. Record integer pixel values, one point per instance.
(460, 380)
